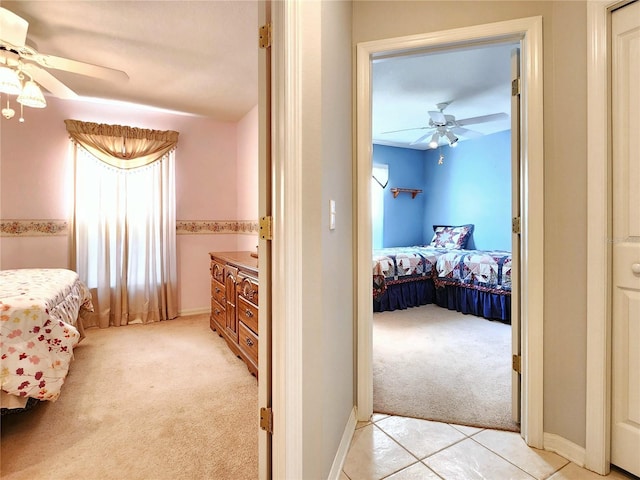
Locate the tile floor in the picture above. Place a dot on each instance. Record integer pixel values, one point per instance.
(399, 448)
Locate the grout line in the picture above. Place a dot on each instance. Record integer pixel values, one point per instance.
(505, 459)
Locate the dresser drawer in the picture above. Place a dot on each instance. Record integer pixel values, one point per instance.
(217, 313)
(217, 271)
(217, 292)
(248, 343)
(248, 314)
(248, 289)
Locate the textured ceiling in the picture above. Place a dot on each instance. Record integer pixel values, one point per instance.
(476, 82)
(198, 57)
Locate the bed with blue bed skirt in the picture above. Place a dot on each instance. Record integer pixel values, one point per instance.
(476, 282)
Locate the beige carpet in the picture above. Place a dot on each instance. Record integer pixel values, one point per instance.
(160, 401)
(435, 364)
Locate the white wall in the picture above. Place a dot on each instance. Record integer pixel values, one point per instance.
(328, 295)
(565, 37)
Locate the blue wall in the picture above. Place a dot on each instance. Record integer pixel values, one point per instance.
(402, 223)
(472, 186)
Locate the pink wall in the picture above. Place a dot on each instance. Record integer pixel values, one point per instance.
(35, 179)
(247, 192)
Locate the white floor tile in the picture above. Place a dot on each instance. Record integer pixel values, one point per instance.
(374, 455)
(468, 431)
(574, 472)
(468, 460)
(421, 437)
(417, 471)
(510, 446)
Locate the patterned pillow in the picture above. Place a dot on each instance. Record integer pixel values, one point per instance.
(455, 238)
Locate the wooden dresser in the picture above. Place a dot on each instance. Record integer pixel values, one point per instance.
(234, 303)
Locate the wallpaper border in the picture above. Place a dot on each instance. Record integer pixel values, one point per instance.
(43, 228)
(33, 228)
(213, 227)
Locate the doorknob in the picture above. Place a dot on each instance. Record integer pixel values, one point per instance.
(635, 268)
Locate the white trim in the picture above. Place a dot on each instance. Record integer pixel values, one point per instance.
(598, 388)
(286, 247)
(565, 448)
(529, 32)
(343, 448)
(194, 311)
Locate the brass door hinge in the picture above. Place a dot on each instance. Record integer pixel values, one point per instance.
(266, 228)
(264, 36)
(515, 87)
(266, 419)
(515, 225)
(516, 363)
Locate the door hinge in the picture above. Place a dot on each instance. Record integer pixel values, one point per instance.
(515, 87)
(515, 225)
(266, 419)
(266, 228)
(264, 36)
(516, 361)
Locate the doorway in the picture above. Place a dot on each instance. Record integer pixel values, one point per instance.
(526, 32)
(460, 99)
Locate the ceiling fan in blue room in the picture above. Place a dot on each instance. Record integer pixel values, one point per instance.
(442, 128)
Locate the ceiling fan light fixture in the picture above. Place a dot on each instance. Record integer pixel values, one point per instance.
(434, 140)
(453, 140)
(9, 81)
(32, 96)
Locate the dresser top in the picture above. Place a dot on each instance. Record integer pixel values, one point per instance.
(240, 259)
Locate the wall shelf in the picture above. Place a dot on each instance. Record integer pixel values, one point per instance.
(412, 191)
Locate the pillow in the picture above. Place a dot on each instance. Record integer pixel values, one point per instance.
(454, 238)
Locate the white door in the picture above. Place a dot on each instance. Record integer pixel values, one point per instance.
(625, 424)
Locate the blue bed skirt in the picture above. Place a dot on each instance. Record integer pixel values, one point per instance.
(405, 295)
(465, 300)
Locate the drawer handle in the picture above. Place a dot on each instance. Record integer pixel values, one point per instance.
(249, 342)
(217, 312)
(248, 313)
(217, 290)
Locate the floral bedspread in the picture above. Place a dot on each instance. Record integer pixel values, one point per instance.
(38, 313)
(481, 270)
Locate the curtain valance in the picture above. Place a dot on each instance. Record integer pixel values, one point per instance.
(121, 146)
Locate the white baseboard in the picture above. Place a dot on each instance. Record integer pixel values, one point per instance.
(565, 448)
(343, 448)
(193, 311)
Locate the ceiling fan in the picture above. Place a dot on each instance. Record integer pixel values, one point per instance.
(23, 70)
(444, 126)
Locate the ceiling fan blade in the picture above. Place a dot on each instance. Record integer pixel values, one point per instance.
(438, 118)
(465, 132)
(83, 68)
(423, 137)
(483, 119)
(404, 130)
(48, 81)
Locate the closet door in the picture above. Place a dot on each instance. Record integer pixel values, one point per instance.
(625, 405)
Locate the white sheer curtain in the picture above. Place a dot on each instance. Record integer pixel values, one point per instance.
(125, 238)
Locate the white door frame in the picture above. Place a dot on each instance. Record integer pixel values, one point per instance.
(529, 32)
(598, 390)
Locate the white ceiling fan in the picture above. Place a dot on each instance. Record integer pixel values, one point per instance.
(23, 69)
(444, 126)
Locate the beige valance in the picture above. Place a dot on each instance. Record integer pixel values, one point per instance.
(120, 146)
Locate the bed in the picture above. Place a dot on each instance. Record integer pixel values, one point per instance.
(39, 327)
(476, 282)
